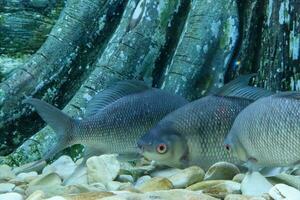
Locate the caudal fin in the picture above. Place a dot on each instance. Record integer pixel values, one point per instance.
(55, 118)
(62, 124)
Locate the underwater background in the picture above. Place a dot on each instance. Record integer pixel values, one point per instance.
(66, 52)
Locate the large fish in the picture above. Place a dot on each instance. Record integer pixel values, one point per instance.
(195, 133)
(114, 119)
(267, 132)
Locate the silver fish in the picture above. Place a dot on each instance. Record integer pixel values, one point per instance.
(266, 133)
(195, 133)
(114, 119)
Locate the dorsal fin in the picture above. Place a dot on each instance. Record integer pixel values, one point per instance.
(290, 95)
(239, 88)
(113, 93)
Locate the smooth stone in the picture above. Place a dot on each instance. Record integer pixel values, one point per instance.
(255, 184)
(175, 194)
(287, 179)
(6, 187)
(11, 196)
(187, 177)
(46, 180)
(37, 195)
(142, 180)
(19, 189)
(243, 197)
(80, 177)
(56, 198)
(115, 185)
(205, 184)
(222, 189)
(64, 166)
(282, 191)
(238, 178)
(166, 173)
(156, 183)
(102, 168)
(236, 197)
(77, 189)
(25, 177)
(125, 178)
(49, 190)
(6, 173)
(221, 171)
(89, 196)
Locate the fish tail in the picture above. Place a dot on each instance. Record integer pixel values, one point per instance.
(62, 124)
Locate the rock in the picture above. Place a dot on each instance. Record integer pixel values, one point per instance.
(166, 173)
(142, 180)
(64, 166)
(56, 198)
(88, 196)
(115, 185)
(6, 187)
(46, 180)
(102, 168)
(11, 196)
(242, 197)
(282, 191)
(221, 171)
(156, 183)
(186, 177)
(19, 189)
(125, 178)
(238, 178)
(48, 190)
(236, 197)
(83, 188)
(6, 173)
(205, 184)
(37, 195)
(222, 189)
(79, 177)
(262, 185)
(50, 184)
(25, 177)
(176, 194)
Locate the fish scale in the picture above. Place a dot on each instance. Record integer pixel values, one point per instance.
(203, 124)
(114, 119)
(268, 131)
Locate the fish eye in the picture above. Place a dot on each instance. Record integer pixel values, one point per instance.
(161, 148)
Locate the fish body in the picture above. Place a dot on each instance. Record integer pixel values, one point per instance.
(194, 133)
(267, 132)
(117, 127)
(114, 120)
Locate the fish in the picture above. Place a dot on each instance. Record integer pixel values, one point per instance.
(114, 119)
(266, 133)
(194, 133)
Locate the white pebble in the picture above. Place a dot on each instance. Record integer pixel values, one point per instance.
(11, 196)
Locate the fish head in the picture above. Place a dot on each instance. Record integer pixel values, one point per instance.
(165, 146)
(234, 147)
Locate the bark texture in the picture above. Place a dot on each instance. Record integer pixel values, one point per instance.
(188, 47)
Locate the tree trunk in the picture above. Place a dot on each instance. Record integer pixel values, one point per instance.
(188, 47)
